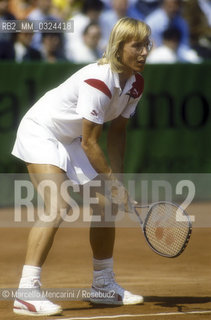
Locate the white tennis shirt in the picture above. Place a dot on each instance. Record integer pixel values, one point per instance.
(92, 93)
(49, 132)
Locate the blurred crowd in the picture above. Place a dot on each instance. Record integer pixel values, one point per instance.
(181, 29)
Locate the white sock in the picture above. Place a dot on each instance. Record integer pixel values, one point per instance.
(29, 274)
(102, 264)
(31, 271)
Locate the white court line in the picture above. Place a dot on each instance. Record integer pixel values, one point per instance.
(139, 315)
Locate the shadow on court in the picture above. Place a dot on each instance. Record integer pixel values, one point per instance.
(177, 302)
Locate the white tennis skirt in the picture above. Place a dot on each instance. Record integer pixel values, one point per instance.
(36, 144)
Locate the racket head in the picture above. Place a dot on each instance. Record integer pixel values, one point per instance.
(165, 233)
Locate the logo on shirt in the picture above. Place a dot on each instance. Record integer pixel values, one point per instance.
(94, 113)
(137, 87)
(133, 93)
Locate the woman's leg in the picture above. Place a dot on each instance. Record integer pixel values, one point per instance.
(102, 234)
(42, 233)
(105, 290)
(40, 240)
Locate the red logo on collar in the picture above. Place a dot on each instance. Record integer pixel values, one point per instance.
(137, 87)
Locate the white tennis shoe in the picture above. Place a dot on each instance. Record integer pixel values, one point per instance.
(105, 290)
(36, 308)
(30, 301)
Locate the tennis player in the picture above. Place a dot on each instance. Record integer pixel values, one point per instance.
(59, 138)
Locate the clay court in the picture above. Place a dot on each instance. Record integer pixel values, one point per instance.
(176, 288)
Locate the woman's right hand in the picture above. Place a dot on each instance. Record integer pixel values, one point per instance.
(119, 194)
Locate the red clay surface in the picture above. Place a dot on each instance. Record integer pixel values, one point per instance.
(171, 287)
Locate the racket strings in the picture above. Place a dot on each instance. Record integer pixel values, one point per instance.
(167, 229)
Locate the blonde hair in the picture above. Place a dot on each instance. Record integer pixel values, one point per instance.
(125, 30)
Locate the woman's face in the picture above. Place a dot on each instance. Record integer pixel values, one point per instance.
(133, 55)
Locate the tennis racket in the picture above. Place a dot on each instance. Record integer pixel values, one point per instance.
(166, 227)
